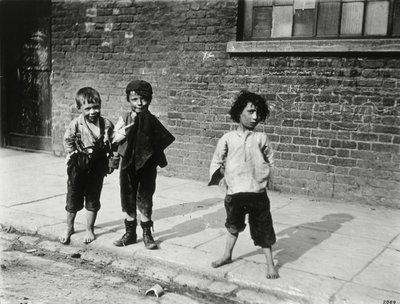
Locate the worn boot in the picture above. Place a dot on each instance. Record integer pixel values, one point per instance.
(130, 236)
(147, 237)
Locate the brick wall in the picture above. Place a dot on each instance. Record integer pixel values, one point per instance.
(334, 122)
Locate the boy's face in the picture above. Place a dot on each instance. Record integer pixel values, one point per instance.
(137, 102)
(249, 117)
(91, 111)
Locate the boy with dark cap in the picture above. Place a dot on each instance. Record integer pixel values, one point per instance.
(141, 140)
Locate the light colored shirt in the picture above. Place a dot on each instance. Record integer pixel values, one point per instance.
(121, 126)
(247, 158)
(78, 129)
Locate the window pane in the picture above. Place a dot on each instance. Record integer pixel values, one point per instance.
(304, 4)
(352, 16)
(376, 18)
(396, 19)
(262, 22)
(283, 2)
(247, 19)
(282, 20)
(304, 23)
(328, 19)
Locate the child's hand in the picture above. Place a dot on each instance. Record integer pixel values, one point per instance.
(107, 143)
(113, 162)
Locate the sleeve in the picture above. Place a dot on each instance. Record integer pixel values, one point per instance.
(70, 137)
(119, 133)
(268, 152)
(109, 131)
(217, 166)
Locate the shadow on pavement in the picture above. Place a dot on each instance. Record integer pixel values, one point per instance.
(182, 229)
(295, 241)
(193, 226)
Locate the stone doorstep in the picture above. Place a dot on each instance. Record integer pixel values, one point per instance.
(152, 267)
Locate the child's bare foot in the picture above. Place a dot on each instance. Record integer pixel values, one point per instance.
(272, 273)
(221, 262)
(65, 239)
(89, 237)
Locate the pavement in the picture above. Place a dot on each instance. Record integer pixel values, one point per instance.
(327, 251)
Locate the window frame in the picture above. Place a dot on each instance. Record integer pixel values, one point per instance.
(370, 43)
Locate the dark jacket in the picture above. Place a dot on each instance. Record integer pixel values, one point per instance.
(145, 141)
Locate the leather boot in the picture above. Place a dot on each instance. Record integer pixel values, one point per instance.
(130, 236)
(147, 237)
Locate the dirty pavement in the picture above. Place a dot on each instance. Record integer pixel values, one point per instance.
(327, 251)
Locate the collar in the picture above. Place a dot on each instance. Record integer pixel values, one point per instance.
(243, 133)
(81, 119)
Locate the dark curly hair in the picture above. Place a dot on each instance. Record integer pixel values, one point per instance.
(88, 95)
(241, 102)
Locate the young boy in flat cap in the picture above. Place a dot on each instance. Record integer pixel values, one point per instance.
(141, 140)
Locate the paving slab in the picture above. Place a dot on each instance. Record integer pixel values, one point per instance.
(359, 294)
(383, 272)
(194, 191)
(258, 297)
(395, 244)
(28, 222)
(329, 259)
(303, 287)
(23, 189)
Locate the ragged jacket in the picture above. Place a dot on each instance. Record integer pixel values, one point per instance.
(144, 141)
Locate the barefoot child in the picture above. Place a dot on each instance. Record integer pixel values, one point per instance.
(87, 142)
(244, 157)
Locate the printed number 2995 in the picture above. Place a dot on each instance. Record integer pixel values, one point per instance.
(389, 302)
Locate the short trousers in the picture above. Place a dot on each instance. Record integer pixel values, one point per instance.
(257, 205)
(83, 190)
(137, 190)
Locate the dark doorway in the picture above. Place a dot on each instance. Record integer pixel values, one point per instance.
(26, 69)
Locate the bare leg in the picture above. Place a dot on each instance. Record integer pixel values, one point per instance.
(130, 216)
(227, 257)
(90, 220)
(144, 218)
(272, 273)
(69, 230)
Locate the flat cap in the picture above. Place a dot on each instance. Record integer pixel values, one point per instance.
(140, 87)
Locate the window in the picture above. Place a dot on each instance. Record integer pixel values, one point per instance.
(320, 19)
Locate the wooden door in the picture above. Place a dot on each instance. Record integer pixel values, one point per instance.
(26, 61)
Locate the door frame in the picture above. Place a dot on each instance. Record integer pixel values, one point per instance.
(8, 138)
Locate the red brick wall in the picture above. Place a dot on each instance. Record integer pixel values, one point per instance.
(334, 122)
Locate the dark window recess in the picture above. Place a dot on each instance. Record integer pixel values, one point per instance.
(396, 19)
(328, 19)
(304, 21)
(262, 22)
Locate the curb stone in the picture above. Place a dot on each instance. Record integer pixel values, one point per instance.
(152, 269)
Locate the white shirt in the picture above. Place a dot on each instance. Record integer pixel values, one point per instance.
(247, 157)
(121, 126)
